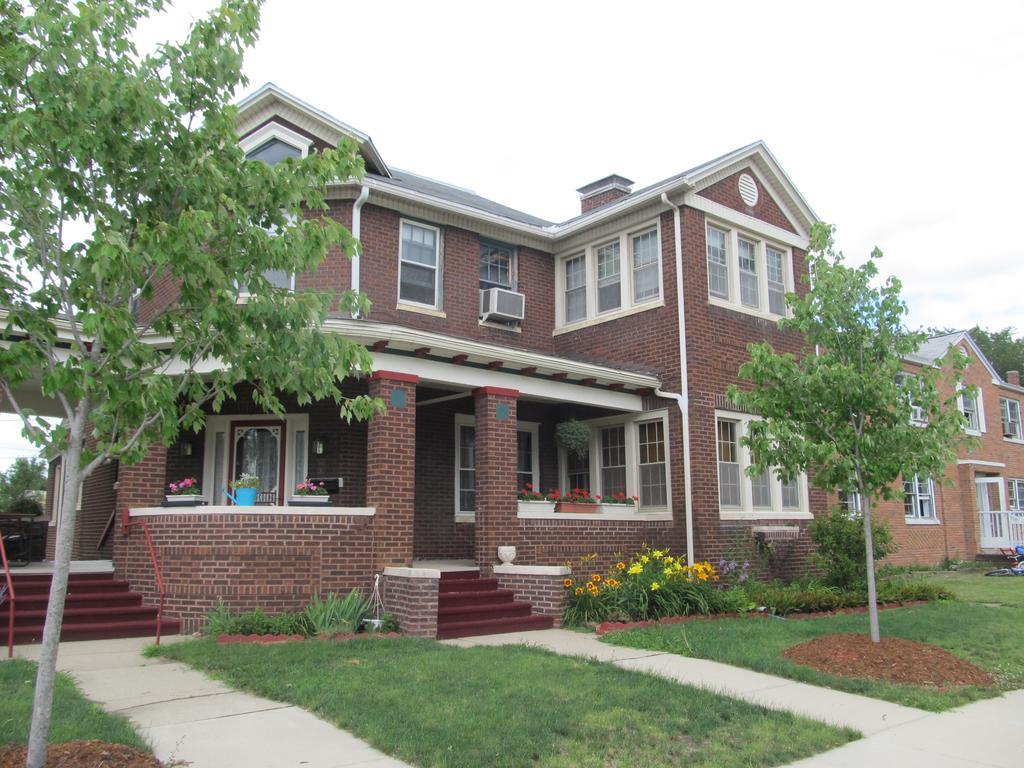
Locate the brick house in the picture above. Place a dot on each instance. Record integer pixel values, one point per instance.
(977, 507)
(488, 328)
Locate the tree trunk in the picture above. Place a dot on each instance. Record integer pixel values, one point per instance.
(869, 540)
(42, 707)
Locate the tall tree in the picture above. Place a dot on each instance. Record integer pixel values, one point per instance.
(1002, 348)
(120, 172)
(24, 476)
(843, 409)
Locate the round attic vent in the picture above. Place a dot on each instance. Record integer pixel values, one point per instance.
(748, 189)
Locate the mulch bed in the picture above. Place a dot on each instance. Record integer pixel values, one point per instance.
(895, 660)
(619, 626)
(82, 754)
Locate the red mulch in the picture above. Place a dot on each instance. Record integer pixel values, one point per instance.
(82, 754)
(618, 626)
(894, 659)
(261, 639)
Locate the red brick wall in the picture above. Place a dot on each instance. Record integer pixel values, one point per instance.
(603, 198)
(495, 473)
(726, 192)
(553, 542)
(273, 562)
(413, 603)
(545, 593)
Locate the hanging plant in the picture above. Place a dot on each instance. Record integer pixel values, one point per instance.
(574, 436)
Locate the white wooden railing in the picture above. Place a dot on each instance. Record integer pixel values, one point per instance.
(1001, 529)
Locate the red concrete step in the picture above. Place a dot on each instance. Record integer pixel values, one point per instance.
(468, 585)
(474, 597)
(102, 630)
(455, 614)
(96, 585)
(459, 575)
(493, 626)
(79, 600)
(90, 615)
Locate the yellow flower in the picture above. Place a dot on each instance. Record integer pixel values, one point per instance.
(635, 568)
(579, 591)
(658, 554)
(669, 560)
(668, 573)
(568, 583)
(621, 566)
(590, 585)
(655, 586)
(702, 576)
(596, 578)
(645, 559)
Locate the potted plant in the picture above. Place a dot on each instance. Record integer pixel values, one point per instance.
(246, 488)
(184, 493)
(618, 500)
(574, 437)
(575, 501)
(532, 501)
(309, 494)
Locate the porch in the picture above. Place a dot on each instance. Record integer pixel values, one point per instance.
(1000, 514)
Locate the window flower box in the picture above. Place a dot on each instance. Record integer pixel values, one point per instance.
(309, 500)
(576, 501)
(183, 500)
(572, 507)
(309, 494)
(537, 505)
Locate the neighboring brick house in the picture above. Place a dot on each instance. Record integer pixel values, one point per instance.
(489, 327)
(977, 507)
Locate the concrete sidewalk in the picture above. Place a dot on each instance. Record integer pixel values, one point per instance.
(187, 717)
(985, 734)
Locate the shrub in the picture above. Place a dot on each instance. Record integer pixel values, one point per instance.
(334, 613)
(841, 554)
(812, 597)
(593, 600)
(25, 506)
(222, 621)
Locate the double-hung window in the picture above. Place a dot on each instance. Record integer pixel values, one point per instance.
(971, 409)
(496, 265)
(747, 272)
(909, 384)
(419, 280)
(653, 479)
(1010, 412)
(741, 494)
(850, 503)
(1015, 486)
(610, 277)
(613, 460)
(918, 498)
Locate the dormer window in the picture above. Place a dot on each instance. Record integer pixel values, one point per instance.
(273, 143)
(273, 152)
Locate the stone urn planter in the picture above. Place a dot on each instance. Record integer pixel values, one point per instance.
(506, 555)
(536, 506)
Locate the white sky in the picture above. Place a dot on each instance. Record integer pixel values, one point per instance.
(898, 121)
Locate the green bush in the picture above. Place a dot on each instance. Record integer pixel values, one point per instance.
(840, 550)
(812, 597)
(221, 621)
(334, 613)
(25, 506)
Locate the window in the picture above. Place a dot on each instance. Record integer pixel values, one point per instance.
(1015, 486)
(613, 460)
(496, 266)
(419, 265)
(908, 383)
(1010, 412)
(718, 266)
(764, 495)
(653, 481)
(578, 470)
(575, 288)
(776, 281)
(918, 499)
(850, 503)
(747, 272)
(524, 459)
(971, 411)
(527, 461)
(466, 469)
(273, 152)
(728, 463)
(609, 279)
(646, 279)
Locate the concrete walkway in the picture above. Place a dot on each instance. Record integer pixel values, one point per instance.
(187, 717)
(986, 734)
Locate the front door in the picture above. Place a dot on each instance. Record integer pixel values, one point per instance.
(257, 448)
(995, 525)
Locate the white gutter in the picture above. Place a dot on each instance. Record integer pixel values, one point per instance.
(682, 400)
(357, 210)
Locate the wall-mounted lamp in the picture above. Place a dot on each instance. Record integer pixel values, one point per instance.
(318, 447)
(185, 449)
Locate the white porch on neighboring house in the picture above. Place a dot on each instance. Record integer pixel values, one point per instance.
(1000, 526)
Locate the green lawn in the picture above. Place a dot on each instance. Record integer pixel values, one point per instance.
(438, 705)
(74, 716)
(984, 627)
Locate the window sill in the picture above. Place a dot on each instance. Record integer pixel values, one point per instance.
(580, 324)
(921, 521)
(1014, 440)
(610, 515)
(741, 514)
(726, 304)
(465, 517)
(500, 326)
(973, 432)
(402, 307)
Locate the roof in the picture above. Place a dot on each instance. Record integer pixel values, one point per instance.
(935, 348)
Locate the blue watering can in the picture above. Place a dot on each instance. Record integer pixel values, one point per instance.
(243, 497)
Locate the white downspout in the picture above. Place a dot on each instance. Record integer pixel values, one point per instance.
(357, 211)
(682, 400)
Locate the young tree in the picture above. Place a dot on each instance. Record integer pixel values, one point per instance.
(843, 409)
(1002, 348)
(24, 476)
(120, 174)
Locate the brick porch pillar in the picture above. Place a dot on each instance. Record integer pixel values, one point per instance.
(138, 485)
(496, 521)
(391, 468)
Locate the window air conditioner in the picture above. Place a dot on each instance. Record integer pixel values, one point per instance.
(499, 304)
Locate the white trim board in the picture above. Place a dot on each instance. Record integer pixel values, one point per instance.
(260, 510)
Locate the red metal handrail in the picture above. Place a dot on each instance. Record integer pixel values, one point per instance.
(10, 595)
(156, 571)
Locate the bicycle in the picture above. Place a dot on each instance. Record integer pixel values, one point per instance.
(1016, 556)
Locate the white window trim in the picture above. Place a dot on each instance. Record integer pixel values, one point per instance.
(1019, 483)
(274, 130)
(979, 404)
(627, 306)
(416, 306)
(1020, 421)
(746, 510)
(733, 235)
(469, 420)
(58, 493)
(294, 422)
(632, 459)
(915, 519)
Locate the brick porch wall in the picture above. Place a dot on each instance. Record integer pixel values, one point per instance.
(545, 592)
(495, 473)
(413, 603)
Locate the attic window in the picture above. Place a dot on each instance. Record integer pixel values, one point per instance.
(273, 151)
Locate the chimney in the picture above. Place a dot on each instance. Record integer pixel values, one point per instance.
(603, 191)
(1013, 377)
